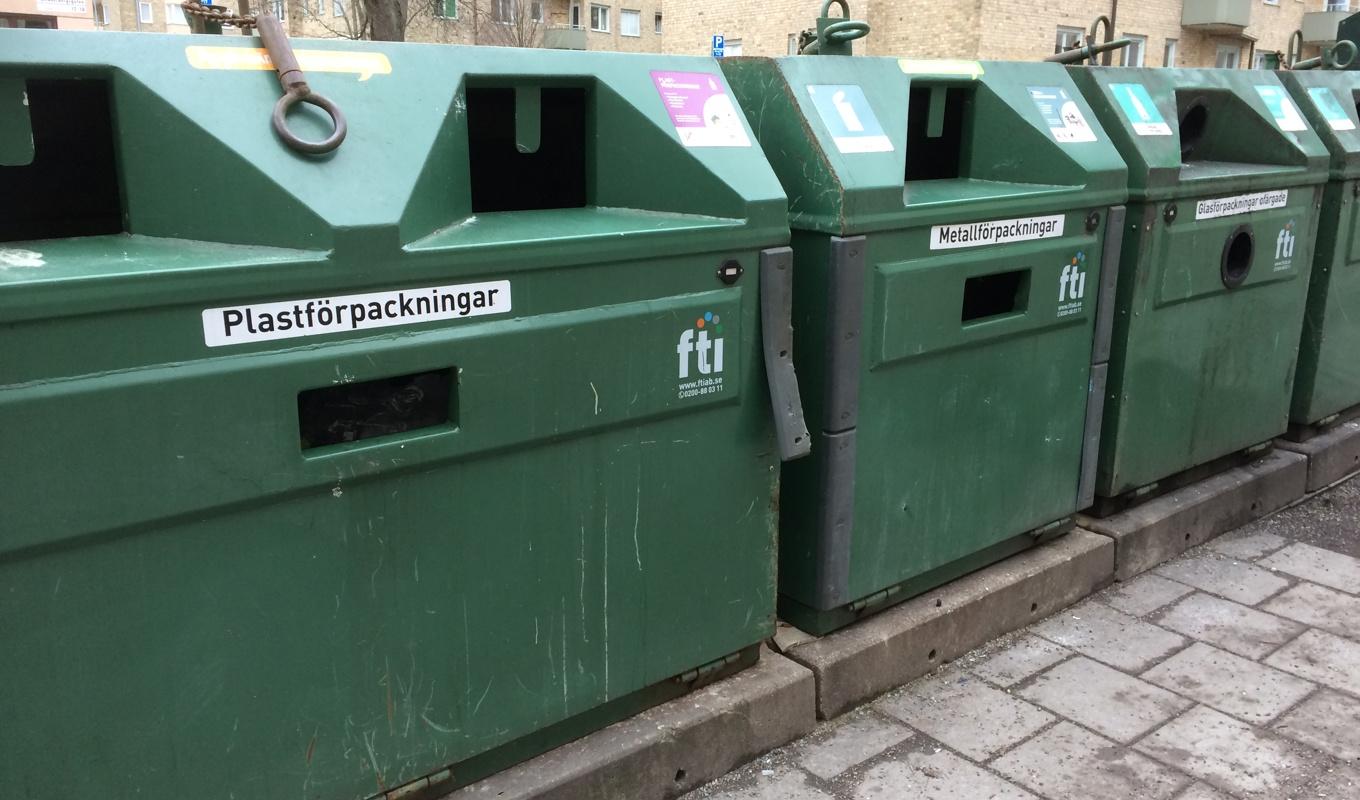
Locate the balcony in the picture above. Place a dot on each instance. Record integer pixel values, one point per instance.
(564, 37)
(1319, 27)
(1217, 16)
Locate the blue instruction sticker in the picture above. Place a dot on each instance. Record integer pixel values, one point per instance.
(1139, 108)
(1284, 111)
(846, 113)
(1331, 109)
(1061, 113)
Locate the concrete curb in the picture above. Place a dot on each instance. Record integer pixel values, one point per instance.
(673, 748)
(1166, 526)
(1331, 456)
(905, 642)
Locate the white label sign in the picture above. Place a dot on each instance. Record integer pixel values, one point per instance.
(976, 234)
(317, 316)
(62, 6)
(1241, 204)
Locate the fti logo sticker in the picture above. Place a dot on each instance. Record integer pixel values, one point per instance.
(1284, 247)
(1072, 286)
(700, 352)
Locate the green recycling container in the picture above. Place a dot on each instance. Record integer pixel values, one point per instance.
(951, 222)
(340, 476)
(1225, 178)
(1327, 383)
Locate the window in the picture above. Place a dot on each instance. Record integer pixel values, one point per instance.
(1133, 54)
(732, 47)
(174, 14)
(101, 14)
(656, 23)
(1068, 39)
(1271, 2)
(575, 18)
(1338, 5)
(1228, 56)
(444, 9)
(508, 11)
(279, 8)
(793, 44)
(599, 18)
(630, 23)
(144, 13)
(338, 8)
(1169, 53)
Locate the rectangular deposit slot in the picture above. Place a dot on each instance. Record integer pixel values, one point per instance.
(937, 118)
(989, 296)
(352, 412)
(66, 184)
(526, 147)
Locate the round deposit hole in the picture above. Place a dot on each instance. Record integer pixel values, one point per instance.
(1237, 253)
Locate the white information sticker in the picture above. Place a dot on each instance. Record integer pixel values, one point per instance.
(1282, 108)
(318, 316)
(1001, 231)
(1062, 115)
(1241, 204)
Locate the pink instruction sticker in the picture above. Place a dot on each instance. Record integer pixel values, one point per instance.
(700, 109)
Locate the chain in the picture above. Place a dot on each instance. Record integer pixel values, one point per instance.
(218, 14)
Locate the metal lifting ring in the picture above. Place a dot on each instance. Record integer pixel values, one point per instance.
(845, 8)
(846, 30)
(287, 101)
(1342, 54)
(1295, 49)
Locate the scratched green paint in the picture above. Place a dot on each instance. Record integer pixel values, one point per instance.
(1198, 370)
(191, 606)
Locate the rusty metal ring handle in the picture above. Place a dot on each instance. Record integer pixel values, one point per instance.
(287, 101)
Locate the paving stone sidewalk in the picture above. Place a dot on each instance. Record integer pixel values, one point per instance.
(1231, 672)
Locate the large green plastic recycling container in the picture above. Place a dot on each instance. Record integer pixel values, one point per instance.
(323, 477)
(949, 229)
(1327, 383)
(1225, 178)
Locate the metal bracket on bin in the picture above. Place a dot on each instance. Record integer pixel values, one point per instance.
(1100, 354)
(776, 322)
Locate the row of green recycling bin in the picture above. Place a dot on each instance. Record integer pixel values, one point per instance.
(373, 473)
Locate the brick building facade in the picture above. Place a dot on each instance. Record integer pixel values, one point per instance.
(1190, 33)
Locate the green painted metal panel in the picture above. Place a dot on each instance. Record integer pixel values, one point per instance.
(957, 426)
(1199, 370)
(1328, 377)
(217, 585)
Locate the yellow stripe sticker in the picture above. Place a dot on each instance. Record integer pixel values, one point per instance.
(365, 65)
(918, 66)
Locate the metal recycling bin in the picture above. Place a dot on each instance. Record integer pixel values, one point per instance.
(1225, 179)
(329, 477)
(951, 222)
(1327, 383)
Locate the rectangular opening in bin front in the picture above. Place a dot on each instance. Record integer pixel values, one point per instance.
(936, 119)
(352, 412)
(508, 174)
(989, 296)
(70, 188)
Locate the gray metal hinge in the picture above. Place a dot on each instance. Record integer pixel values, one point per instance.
(776, 324)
